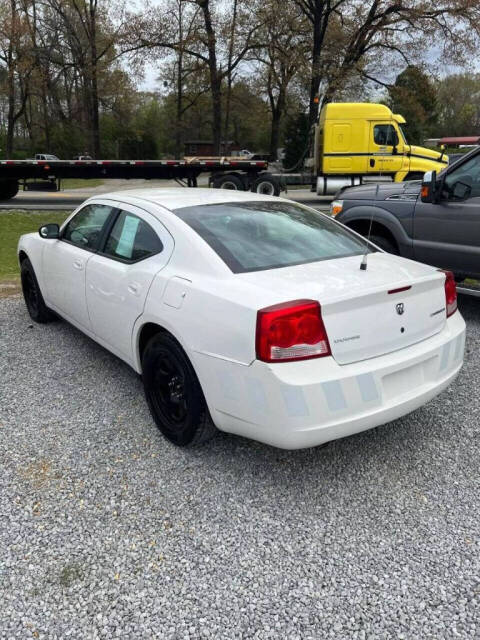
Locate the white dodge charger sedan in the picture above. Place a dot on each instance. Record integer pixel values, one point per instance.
(248, 313)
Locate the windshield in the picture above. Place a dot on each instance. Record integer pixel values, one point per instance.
(254, 236)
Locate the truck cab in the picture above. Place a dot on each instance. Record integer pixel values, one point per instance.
(357, 140)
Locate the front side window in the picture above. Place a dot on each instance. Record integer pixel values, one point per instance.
(85, 228)
(385, 135)
(132, 239)
(253, 236)
(464, 183)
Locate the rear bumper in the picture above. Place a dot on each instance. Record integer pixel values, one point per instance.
(304, 404)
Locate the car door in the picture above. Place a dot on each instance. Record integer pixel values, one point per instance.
(447, 232)
(386, 150)
(120, 274)
(65, 261)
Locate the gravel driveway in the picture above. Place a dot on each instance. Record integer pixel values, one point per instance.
(107, 530)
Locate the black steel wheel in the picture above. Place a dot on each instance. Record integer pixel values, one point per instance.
(173, 393)
(32, 295)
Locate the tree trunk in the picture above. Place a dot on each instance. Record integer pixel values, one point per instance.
(275, 134)
(316, 77)
(178, 124)
(94, 81)
(277, 108)
(229, 70)
(215, 78)
(217, 115)
(10, 114)
(11, 85)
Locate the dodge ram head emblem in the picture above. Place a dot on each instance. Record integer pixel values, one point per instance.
(400, 307)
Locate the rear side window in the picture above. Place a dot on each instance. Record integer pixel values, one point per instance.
(85, 228)
(132, 239)
(253, 236)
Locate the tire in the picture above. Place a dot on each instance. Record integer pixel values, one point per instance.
(267, 185)
(173, 393)
(36, 307)
(229, 181)
(385, 244)
(8, 189)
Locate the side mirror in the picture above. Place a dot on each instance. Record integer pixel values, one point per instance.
(460, 190)
(49, 231)
(429, 187)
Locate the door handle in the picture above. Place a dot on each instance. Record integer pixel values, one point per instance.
(78, 264)
(134, 288)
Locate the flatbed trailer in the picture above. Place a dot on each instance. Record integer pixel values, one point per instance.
(225, 173)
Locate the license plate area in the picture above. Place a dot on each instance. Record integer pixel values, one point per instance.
(407, 381)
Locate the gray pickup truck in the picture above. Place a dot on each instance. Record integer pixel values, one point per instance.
(436, 221)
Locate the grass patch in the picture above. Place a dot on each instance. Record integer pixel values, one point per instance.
(12, 225)
(79, 183)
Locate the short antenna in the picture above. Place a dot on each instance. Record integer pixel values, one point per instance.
(363, 264)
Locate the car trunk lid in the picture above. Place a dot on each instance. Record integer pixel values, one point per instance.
(393, 304)
(383, 320)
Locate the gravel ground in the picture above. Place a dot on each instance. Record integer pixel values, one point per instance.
(107, 530)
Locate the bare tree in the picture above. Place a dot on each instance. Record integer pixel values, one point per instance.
(91, 38)
(15, 54)
(346, 33)
(210, 41)
(285, 52)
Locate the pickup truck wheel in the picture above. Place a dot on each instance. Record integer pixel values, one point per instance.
(385, 244)
(173, 393)
(229, 181)
(36, 307)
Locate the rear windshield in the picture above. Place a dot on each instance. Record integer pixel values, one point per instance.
(253, 236)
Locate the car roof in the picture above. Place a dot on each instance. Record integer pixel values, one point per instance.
(183, 197)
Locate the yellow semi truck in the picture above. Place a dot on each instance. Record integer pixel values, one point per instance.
(357, 140)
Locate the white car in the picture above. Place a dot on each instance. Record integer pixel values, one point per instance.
(248, 313)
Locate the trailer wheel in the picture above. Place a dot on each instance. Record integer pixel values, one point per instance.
(228, 181)
(267, 185)
(8, 189)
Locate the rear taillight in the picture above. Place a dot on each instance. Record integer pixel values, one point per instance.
(291, 331)
(450, 293)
